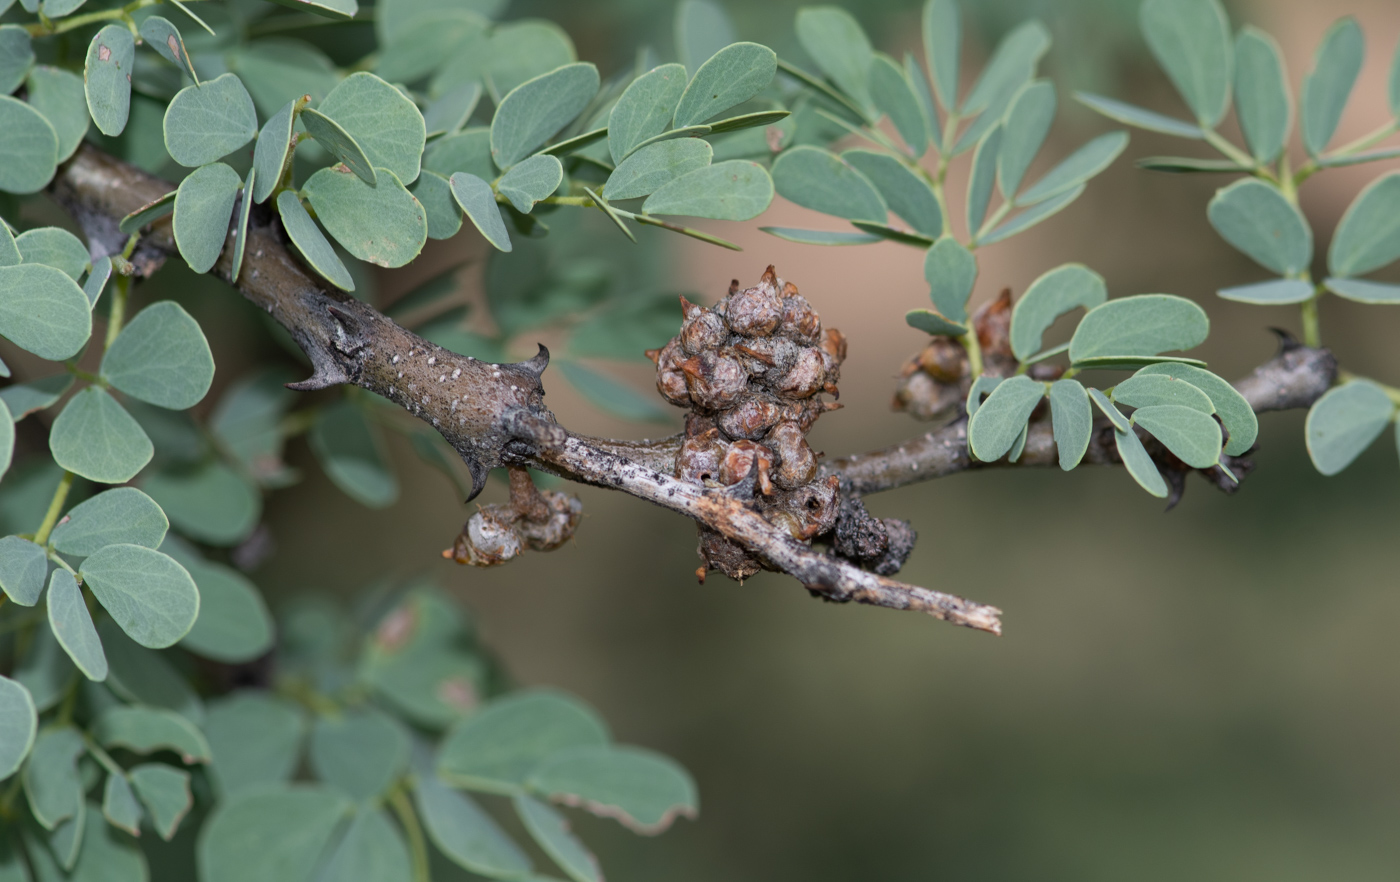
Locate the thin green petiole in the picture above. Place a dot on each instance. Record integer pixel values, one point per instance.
(60, 495)
(1312, 333)
(417, 845)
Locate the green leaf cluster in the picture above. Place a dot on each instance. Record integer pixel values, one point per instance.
(1259, 214)
(1002, 119)
(1193, 414)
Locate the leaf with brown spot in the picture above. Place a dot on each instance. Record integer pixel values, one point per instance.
(642, 790)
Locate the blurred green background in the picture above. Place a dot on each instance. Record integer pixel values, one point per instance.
(1205, 694)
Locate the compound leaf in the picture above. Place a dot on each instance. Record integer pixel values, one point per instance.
(905, 193)
(649, 169)
(161, 357)
(1186, 431)
(466, 833)
(1368, 236)
(530, 181)
(1144, 325)
(822, 181)
(1072, 421)
(349, 449)
(478, 200)
(205, 123)
(731, 76)
(496, 748)
(1191, 40)
(538, 108)
(1049, 297)
(335, 139)
(381, 120)
(362, 752)
(642, 790)
(645, 109)
(311, 242)
(151, 596)
(273, 833)
(1139, 464)
(96, 438)
(203, 209)
(210, 503)
(1328, 85)
(107, 78)
(29, 144)
(381, 224)
(1257, 219)
(43, 310)
(734, 190)
(72, 625)
(999, 420)
(1261, 94)
(1343, 423)
(1023, 132)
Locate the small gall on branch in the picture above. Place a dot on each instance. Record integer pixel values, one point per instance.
(541, 520)
(752, 370)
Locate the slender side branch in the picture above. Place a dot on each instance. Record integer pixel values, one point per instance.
(1296, 377)
(823, 574)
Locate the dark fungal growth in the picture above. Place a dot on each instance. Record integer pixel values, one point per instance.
(753, 371)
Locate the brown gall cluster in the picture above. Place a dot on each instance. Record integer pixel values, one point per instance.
(752, 370)
(933, 385)
(499, 532)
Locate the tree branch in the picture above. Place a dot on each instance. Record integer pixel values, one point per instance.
(494, 414)
(1295, 377)
(491, 414)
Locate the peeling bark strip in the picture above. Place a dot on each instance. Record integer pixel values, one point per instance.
(495, 414)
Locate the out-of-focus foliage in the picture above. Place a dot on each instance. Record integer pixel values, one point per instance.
(382, 742)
